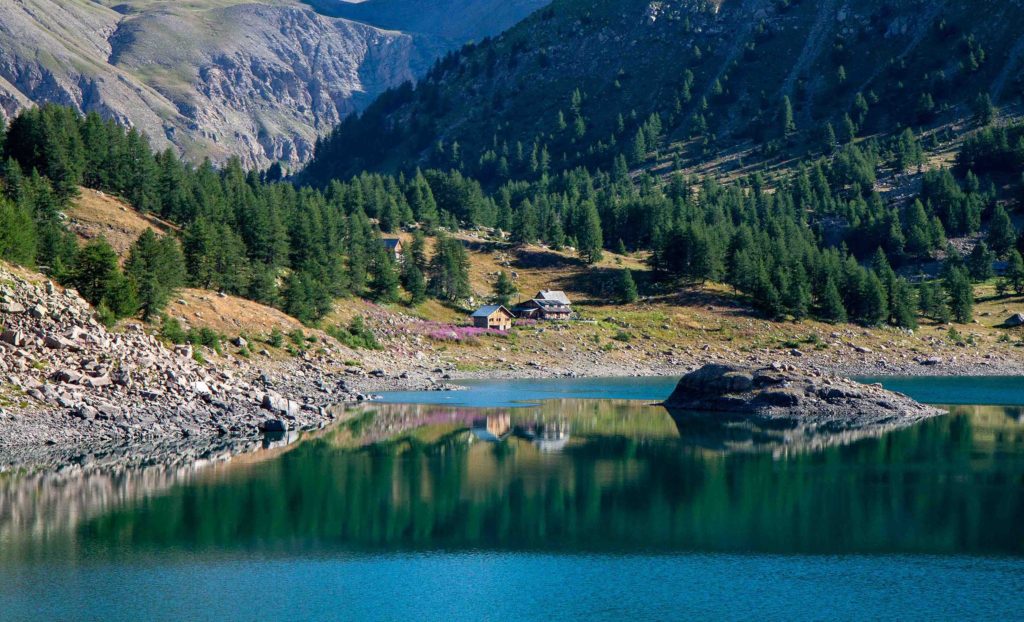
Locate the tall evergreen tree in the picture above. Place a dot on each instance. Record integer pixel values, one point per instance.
(961, 295)
(588, 234)
(156, 266)
(504, 289)
(449, 270)
(627, 287)
(1001, 233)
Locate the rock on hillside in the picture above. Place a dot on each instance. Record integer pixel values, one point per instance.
(258, 80)
(783, 395)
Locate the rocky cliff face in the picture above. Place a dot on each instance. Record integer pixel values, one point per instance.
(257, 80)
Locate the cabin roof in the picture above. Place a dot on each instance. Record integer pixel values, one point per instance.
(553, 295)
(489, 310)
(391, 243)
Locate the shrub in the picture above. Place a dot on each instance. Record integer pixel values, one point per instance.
(276, 338)
(356, 335)
(171, 330)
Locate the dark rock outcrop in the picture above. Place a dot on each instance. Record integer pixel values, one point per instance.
(785, 396)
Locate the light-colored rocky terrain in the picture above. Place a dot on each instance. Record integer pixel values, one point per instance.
(258, 80)
(71, 385)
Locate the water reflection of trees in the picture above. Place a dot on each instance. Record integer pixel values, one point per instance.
(951, 484)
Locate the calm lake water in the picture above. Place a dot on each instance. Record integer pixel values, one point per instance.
(539, 500)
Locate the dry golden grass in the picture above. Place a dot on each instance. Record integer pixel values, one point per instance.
(95, 214)
(228, 315)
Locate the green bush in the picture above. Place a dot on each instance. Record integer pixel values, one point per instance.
(356, 336)
(171, 330)
(276, 338)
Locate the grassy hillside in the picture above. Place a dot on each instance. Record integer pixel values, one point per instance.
(671, 327)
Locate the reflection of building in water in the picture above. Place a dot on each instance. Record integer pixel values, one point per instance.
(492, 428)
(547, 436)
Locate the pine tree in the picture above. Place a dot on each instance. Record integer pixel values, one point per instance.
(418, 250)
(1001, 233)
(524, 224)
(902, 305)
(96, 268)
(874, 301)
(383, 276)
(919, 240)
(1015, 271)
(984, 111)
(980, 261)
(504, 289)
(157, 267)
(960, 293)
(787, 123)
(638, 148)
(588, 234)
(832, 309)
(849, 129)
(449, 271)
(828, 138)
(413, 281)
(18, 236)
(627, 287)
(928, 299)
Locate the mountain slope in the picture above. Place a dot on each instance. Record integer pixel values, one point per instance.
(254, 80)
(715, 71)
(258, 79)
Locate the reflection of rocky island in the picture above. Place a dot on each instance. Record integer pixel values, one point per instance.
(780, 408)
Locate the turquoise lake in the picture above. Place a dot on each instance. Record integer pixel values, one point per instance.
(538, 500)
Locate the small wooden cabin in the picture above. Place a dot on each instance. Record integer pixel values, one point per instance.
(394, 246)
(495, 317)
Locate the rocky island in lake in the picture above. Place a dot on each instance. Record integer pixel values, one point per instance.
(783, 396)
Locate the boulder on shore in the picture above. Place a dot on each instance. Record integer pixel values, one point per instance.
(783, 394)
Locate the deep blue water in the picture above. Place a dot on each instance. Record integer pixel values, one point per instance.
(508, 586)
(594, 505)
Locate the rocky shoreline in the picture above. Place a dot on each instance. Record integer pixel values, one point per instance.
(72, 392)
